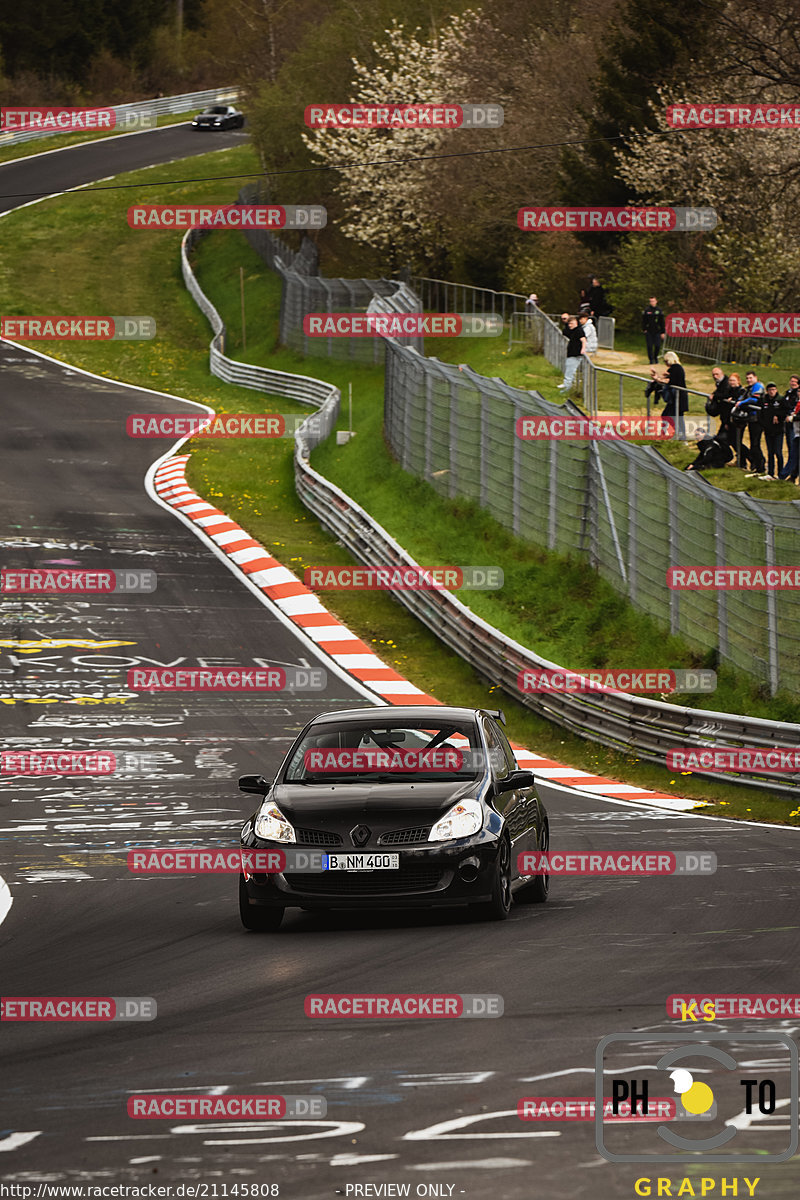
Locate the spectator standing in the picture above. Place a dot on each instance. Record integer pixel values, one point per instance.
(654, 329)
(736, 427)
(674, 392)
(773, 414)
(719, 404)
(576, 348)
(791, 400)
(597, 299)
(751, 403)
(589, 332)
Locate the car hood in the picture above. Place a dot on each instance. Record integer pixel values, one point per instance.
(207, 119)
(389, 801)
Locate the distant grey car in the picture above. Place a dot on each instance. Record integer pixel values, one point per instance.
(219, 116)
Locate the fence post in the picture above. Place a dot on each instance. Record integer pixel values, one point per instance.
(453, 438)
(772, 610)
(590, 514)
(672, 524)
(773, 666)
(553, 495)
(595, 451)
(516, 477)
(484, 406)
(428, 419)
(633, 532)
(722, 595)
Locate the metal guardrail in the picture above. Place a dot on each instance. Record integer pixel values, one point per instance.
(630, 724)
(303, 388)
(161, 105)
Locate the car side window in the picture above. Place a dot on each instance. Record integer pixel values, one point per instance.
(497, 755)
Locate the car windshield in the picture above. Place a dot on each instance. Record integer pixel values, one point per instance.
(220, 110)
(355, 752)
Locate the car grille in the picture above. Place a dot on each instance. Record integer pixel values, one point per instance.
(317, 837)
(367, 883)
(403, 837)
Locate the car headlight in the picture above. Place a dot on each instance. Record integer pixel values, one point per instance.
(463, 819)
(271, 824)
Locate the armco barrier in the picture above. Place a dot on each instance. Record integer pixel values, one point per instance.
(160, 106)
(303, 388)
(632, 724)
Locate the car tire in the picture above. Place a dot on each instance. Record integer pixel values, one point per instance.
(538, 890)
(499, 907)
(258, 920)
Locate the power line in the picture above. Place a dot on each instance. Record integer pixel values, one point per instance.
(381, 162)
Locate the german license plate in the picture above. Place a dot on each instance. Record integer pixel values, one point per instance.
(363, 862)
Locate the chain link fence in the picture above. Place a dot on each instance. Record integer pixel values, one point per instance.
(619, 506)
(305, 291)
(726, 349)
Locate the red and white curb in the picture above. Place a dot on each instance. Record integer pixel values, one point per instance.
(299, 606)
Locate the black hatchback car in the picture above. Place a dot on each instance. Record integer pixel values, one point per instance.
(219, 116)
(412, 806)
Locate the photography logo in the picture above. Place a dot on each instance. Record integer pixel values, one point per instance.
(733, 1104)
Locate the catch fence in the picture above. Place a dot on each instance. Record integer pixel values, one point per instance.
(621, 507)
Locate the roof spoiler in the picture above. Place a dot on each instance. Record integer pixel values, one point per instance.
(497, 713)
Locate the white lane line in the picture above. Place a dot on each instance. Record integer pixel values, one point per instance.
(15, 1140)
(5, 906)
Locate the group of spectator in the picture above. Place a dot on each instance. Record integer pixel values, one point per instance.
(581, 331)
(759, 412)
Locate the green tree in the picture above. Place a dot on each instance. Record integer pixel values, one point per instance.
(646, 47)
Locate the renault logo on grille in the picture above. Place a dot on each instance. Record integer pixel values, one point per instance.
(360, 835)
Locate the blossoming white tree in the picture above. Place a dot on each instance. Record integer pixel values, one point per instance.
(389, 206)
(751, 177)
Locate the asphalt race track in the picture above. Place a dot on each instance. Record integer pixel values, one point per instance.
(426, 1103)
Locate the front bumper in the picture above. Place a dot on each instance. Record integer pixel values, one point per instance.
(451, 873)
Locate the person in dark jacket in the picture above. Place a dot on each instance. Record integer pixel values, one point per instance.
(772, 415)
(576, 348)
(720, 403)
(597, 299)
(654, 329)
(750, 404)
(737, 427)
(745, 418)
(791, 401)
(712, 453)
(675, 395)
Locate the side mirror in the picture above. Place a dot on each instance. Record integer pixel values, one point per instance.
(517, 779)
(254, 783)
